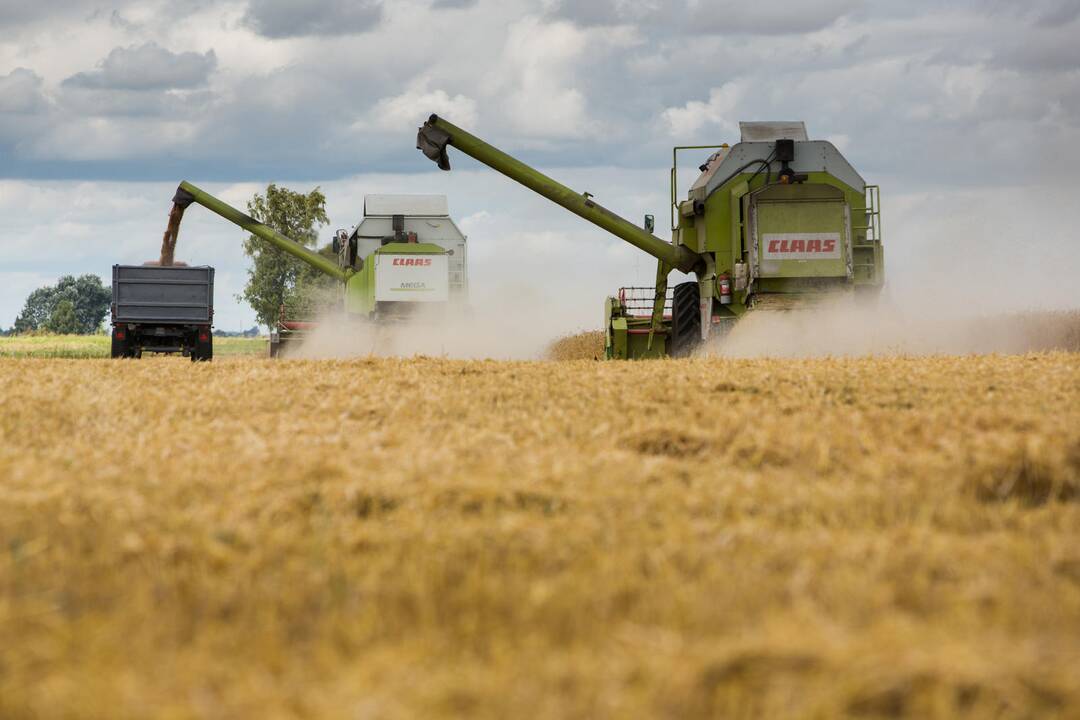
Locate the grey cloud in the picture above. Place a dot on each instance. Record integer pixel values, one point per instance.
(287, 18)
(147, 67)
(107, 102)
(709, 16)
(17, 12)
(117, 20)
(25, 112)
(21, 92)
(20, 17)
(453, 4)
(1065, 13)
(766, 18)
(1043, 51)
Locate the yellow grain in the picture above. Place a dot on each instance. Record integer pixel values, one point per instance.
(438, 538)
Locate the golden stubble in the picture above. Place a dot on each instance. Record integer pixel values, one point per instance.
(444, 538)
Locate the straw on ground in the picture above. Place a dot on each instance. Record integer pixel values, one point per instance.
(437, 538)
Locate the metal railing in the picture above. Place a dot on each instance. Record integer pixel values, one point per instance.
(873, 214)
(638, 301)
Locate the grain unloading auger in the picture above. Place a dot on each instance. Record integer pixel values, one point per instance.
(405, 252)
(775, 221)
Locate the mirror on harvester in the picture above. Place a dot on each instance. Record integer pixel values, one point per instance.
(650, 223)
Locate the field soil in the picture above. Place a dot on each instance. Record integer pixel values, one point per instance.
(381, 538)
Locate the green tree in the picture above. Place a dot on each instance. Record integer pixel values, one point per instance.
(88, 297)
(36, 311)
(63, 320)
(276, 278)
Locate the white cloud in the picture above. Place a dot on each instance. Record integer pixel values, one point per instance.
(540, 65)
(413, 106)
(721, 111)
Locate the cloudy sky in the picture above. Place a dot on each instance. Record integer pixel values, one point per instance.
(967, 114)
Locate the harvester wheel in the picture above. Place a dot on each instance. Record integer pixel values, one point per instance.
(685, 320)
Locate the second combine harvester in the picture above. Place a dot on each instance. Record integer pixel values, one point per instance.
(776, 221)
(406, 254)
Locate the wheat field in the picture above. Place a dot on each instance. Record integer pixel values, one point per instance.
(386, 538)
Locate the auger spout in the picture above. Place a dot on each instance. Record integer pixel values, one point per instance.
(436, 134)
(187, 193)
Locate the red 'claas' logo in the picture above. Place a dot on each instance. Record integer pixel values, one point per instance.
(414, 262)
(801, 246)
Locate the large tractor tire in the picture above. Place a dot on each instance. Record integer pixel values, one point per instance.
(685, 320)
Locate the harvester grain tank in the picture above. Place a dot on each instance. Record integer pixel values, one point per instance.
(776, 221)
(405, 253)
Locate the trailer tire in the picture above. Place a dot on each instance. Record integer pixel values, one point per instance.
(203, 350)
(119, 348)
(685, 320)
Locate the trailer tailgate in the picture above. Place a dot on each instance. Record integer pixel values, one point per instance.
(149, 293)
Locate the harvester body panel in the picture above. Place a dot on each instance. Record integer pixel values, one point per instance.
(811, 156)
(419, 277)
(425, 217)
(799, 234)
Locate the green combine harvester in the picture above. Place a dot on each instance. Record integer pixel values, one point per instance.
(777, 221)
(406, 254)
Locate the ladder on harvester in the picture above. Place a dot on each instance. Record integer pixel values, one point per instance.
(867, 238)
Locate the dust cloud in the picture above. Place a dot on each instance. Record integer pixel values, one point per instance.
(840, 327)
(844, 327)
(478, 330)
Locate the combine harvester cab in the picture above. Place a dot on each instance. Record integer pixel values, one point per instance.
(776, 221)
(405, 254)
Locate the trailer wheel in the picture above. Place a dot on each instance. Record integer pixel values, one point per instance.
(119, 348)
(203, 349)
(685, 320)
